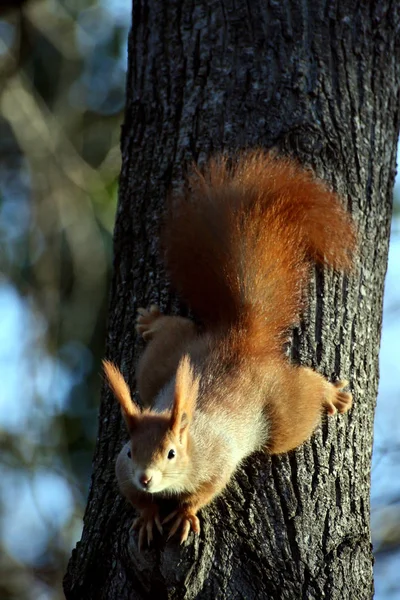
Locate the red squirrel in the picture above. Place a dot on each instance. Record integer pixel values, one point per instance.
(240, 243)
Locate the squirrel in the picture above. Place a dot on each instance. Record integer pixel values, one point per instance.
(240, 242)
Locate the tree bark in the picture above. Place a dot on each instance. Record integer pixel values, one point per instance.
(318, 80)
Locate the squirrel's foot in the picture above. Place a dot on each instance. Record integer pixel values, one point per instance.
(185, 517)
(145, 321)
(338, 401)
(145, 523)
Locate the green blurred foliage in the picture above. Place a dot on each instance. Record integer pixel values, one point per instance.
(62, 93)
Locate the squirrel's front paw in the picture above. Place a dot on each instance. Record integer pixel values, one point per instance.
(186, 518)
(338, 400)
(145, 524)
(145, 321)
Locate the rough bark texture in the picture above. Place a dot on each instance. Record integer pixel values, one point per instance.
(319, 79)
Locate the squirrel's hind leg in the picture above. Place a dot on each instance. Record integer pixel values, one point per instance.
(295, 409)
(146, 321)
(167, 340)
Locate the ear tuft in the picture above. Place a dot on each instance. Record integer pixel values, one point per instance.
(120, 389)
(185, 396)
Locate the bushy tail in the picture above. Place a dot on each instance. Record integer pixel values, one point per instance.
(239, 243)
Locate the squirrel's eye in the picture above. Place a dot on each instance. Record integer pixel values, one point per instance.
(171, 454)
(129, 454)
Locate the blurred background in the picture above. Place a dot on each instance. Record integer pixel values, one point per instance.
(62, 94)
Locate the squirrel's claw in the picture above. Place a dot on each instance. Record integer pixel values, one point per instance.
(144, 524)
(170, 516)
(185, 531)
(145, 321)
(339, 401)
(185, 518)
(142, 532)
(158, 524)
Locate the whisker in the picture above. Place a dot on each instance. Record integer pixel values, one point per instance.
(122, 481)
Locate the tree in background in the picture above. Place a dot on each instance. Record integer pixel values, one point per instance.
(62, 95)
(319, 81)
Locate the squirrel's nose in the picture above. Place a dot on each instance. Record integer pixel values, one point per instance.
(145, 479)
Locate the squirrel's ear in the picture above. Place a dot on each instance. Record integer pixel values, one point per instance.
(185, 396)
(119, 387)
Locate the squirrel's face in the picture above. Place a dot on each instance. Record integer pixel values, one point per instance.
(158, 456)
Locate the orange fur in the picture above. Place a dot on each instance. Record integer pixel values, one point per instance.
(245, 235)
(121, 391)
(167, 335)
(239, 245)
(185, 396)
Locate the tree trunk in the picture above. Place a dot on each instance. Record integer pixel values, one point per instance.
(318, 80)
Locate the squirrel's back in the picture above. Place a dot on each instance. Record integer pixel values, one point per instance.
(239, 243)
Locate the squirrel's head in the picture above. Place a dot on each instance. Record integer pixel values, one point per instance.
(158, 450)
